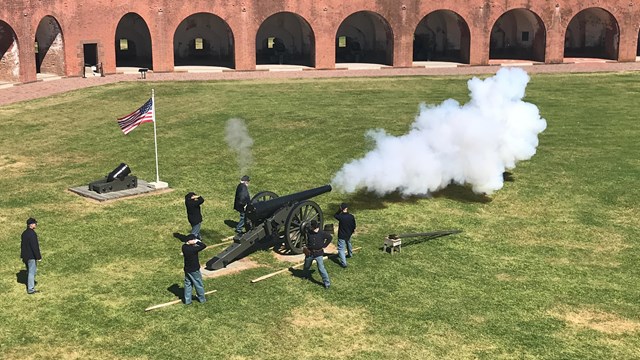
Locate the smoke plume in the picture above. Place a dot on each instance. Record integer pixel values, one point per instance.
(448, 143)
(238, 139)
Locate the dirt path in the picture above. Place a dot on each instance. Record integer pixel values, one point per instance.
(40, 89)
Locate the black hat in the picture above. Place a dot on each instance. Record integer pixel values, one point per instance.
(245, 178)
(31, 221)
(344, 206)
(191, 237)
(313, 224)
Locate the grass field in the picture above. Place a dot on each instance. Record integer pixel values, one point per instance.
(546, 267)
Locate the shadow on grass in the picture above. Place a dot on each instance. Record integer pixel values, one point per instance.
(176, 290)
(230, 223)
(301, 274)
(205, 234)
(421, 239)
(21, 277)
(462, 194)
(366, 200)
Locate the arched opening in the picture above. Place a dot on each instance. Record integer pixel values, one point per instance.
(9, 59)
(133, 42)
(442, 35)
(592, 33)
(518, 34)
(49, 47)
(203, 39)
(364, 37)
(285, 38)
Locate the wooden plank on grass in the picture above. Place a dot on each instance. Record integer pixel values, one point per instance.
(263, 277)
(172, 302)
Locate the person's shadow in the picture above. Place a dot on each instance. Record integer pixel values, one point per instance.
(21, 277)
(299, 273)
(176, 290)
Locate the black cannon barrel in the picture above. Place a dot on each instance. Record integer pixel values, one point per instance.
(263, 209)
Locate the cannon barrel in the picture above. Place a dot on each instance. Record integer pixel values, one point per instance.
(264, 209)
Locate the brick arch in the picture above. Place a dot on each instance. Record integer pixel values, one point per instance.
(285, 38)
(203, 38)
(593, 33)
(442, 39)
(50, 40)
(518, 34)
(360, 33)
(9, 54)
(133, 43)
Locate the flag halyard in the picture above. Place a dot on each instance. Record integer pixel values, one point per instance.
(142, 115)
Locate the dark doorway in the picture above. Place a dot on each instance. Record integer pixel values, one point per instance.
(442, 36)
(90, 54)
(592, 33)
(364, 37)
(285, 38)
(518, 34)
(133, 42)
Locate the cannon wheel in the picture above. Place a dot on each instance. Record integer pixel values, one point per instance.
(263, 196)
(297, 221)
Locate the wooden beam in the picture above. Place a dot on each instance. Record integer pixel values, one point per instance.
(172, 302)
(263, 277)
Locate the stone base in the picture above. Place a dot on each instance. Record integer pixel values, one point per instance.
(143, 188)
(158, 185)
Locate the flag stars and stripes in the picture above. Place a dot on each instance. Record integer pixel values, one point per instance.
(144, 114)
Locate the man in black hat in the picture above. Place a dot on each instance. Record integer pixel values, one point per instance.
(346, 227)
(241, 201)
(192, 202)
(316, 242)
(30, 253)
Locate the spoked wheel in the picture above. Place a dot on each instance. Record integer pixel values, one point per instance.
(263, 196)
(296, 227)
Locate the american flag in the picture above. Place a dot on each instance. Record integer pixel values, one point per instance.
(144, 114)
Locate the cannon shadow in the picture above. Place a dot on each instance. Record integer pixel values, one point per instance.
(367, 200)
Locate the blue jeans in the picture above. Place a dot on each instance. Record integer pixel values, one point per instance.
(240, 226)
(320, 262)
(31, 274)
(342, 243)
(195, 230)
(195, 279)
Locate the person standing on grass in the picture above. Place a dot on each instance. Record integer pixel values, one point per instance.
(30, 253)
(316, 242)
(346, 227)
(192, 201)
(192, 275)
(241, 201)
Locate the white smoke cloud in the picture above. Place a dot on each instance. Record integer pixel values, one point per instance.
(238, 139)
(469, 144)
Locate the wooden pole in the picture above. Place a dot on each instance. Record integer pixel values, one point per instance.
(172, 302)
(290, 267)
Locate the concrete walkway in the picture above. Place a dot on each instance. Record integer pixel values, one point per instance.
(50, 85)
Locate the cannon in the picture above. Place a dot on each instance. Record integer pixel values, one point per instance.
(117, 180)
(272, 217)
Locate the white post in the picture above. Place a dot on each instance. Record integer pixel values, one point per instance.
(157, 184)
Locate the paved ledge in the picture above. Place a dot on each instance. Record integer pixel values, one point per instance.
(143, 188)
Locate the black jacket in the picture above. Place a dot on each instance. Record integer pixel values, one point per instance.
(317, 241)
(346, 224)
(190, 252)
(193, 209)
(29, 247)
(242, 197)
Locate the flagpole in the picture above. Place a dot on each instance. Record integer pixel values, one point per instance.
(155, 137)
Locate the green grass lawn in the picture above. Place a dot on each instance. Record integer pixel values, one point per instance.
(546, 267)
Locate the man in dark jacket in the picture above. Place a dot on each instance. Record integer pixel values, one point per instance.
(346, 227)
(241, 201)
(30, 253)
(192, 201)
(192, 275)
(316, 242)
